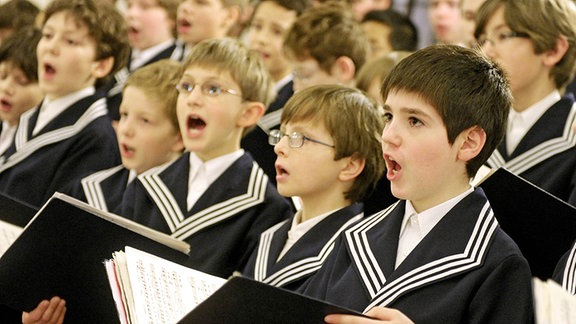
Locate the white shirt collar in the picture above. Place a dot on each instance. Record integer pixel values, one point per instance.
(298, 229)
(140, 57)
(203, 174)
(519, 123)
(430, 217)
(284, 81)
(52, 108)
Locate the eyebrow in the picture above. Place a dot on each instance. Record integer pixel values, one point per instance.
(409, 111)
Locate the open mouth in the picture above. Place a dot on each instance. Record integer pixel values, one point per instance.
(5, 105)
(49, 70)
(127, 149)
(392, 166)
(195, 123)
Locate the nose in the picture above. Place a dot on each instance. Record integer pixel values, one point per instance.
(390, 135)
(125, 126)
(281, 148)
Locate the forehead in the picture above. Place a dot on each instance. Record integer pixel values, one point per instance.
(66, 20)
(199, 73)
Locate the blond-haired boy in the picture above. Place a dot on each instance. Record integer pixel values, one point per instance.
(214, 196)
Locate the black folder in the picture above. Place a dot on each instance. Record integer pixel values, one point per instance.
(243, 300)
(61, 253)
(542, 225)
(15, 212)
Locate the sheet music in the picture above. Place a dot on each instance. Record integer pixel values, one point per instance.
(164, 291)
(8, 234)
(553, 304)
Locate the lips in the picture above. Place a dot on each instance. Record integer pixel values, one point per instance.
(195, 123)
(48, 70)
(126, 151)
(183, 25)
(393, 168)
(281, 172)
(5, 105)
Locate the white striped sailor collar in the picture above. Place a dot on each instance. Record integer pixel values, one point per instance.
(300, 268)
(182, 227)
(540, 152)
(25, 147)
(92, 186)
(569, 274)
(382, 291)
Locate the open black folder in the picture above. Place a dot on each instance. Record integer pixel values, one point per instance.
(542, 225)
(15, 212)
(243, 300)
(61, 253)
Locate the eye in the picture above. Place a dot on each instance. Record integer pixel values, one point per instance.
(185, 86)
(387, 117)
(414, 122)
(212, 89)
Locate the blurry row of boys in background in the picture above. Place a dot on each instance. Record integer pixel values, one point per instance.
(164, 114)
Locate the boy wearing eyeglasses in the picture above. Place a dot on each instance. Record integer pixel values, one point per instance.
(329, 155)
(215, 196)
(538, 52)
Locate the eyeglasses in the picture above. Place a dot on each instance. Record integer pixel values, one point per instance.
(210, 89)
(295, 139)
(500, 38)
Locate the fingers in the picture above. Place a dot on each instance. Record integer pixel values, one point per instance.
(48, 312)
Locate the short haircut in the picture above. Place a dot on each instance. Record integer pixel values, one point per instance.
(298, 6)
(326, 33)
(158, 81)
(463, 85)
(229, 55)
(171, 7)
(16, 14)
(544, 21)
(403, 35)
(355, 122)
(378, 68)
(19, 49)
(104, 24)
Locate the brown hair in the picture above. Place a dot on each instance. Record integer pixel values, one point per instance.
(104, 24)
(353, 119)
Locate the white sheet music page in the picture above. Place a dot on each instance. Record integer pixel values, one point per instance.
(165, 291)
(552, 303)
(8, 234)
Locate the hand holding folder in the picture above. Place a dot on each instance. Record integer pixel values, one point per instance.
(60, 253)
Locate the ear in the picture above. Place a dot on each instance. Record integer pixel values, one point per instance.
(472, 141)
(553, 56)
(232, 17)
(344, 69)
(102, 67)
(251, 114)
(178, 145)
(354, 165)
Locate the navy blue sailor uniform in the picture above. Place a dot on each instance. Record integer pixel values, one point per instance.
(225, 223)
(77, 142)
(546, 155)
(102, 189)
(305, 257)
(465, 270)
(565, 272)
(113, 90)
